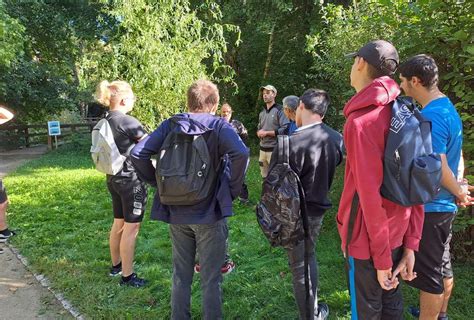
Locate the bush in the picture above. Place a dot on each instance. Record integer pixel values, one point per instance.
(440, 28)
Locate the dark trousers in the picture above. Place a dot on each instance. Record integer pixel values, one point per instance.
(209, 240)
(296, 263)
(368, 300)
(244, 192)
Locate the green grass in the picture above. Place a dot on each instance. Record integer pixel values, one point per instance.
(62, 208)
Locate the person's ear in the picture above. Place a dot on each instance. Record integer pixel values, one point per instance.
(415, 81)
(361, 63)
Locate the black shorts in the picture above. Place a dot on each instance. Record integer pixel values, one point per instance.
(3, 193)
(368, 299)
(433, 260)
(129, 196)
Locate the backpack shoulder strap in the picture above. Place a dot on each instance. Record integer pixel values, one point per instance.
(283, 149)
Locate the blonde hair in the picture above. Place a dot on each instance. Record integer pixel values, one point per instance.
(107, 92)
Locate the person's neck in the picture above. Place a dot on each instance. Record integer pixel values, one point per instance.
(310, 118)
(362, 84)
(119, 109)
(424, 97)
(270, 104)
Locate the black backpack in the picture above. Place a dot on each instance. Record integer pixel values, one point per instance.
(185, 172)
(412, 172)
(281, 212)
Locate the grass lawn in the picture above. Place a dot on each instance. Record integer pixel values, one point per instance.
(62, 210)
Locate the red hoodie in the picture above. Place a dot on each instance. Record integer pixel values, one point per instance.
(380, 225)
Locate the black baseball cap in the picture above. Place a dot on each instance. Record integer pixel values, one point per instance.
(380, 54)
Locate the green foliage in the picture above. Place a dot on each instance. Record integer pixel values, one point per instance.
(440, 28)
(272, 50)
(11, 44)
(43, 81)
(11, 33)
(63, 211)
(160, 49)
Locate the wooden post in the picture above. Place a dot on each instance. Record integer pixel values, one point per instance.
(27, 137)
(50, 143)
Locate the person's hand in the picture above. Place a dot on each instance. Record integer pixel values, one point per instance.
(385, 279)
(261, 134)
(463, 199)
(406, 265)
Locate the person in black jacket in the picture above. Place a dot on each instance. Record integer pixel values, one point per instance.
(315, 152)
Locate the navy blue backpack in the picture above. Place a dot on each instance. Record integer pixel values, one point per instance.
(412, 172)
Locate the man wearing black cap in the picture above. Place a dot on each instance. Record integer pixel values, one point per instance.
(377, 234)
(270, 119)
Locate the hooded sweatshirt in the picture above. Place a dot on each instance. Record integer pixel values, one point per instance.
(227, 152)
(380, 225)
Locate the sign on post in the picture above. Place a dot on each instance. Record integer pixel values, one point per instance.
(54, 129)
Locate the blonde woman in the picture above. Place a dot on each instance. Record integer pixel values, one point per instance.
(128, 192)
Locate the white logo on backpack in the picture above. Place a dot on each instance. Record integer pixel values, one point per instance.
(104, 151)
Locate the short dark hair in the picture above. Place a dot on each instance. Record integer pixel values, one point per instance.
(423, 67)
(316, 101)
(386, 68)
(203, 95)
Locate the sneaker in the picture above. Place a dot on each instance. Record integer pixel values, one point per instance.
(6, 234)
(115, 270)
(134, 281)
(414, 311)
(197, 268)
(244, 201)
(1, 250)
(227, 267)
(323, 311)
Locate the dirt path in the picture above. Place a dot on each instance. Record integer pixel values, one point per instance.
(21, 295)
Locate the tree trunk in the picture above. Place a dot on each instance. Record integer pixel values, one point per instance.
(268, 61)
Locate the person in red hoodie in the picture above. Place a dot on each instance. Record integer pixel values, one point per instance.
(378, 236)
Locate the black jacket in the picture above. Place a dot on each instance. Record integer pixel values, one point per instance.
(315, 152)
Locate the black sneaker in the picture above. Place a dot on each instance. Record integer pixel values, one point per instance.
(115, 270)
(323, 311)
(134, 281)
(1, 250)
(6, 234)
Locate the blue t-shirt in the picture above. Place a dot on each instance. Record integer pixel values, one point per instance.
(446, 135)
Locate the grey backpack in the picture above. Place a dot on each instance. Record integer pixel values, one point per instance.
(105, 154)
(185, 172)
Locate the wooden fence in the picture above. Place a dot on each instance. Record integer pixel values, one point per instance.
(23, 134)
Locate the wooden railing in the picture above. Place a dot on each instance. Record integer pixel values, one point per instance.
(23, 134)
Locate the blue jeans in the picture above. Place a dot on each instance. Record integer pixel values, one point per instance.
(296, 263)
(209, 241)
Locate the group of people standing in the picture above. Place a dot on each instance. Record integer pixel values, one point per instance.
(382, 242)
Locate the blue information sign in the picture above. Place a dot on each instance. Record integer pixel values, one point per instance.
(54, 128)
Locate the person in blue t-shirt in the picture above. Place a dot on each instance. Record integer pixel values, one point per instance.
(419, 80)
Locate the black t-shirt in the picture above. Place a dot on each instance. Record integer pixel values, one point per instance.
(127, 132)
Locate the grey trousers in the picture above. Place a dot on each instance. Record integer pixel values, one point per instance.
(296, 263)
(209, 241)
